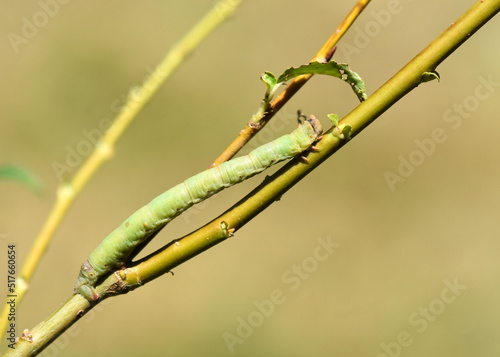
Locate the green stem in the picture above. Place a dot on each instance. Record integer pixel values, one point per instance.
(34, 341)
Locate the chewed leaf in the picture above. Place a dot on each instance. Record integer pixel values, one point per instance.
(269, 79)
(16, 173)
(332, 68)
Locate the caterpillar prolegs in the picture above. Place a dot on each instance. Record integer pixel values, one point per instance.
(115, 250)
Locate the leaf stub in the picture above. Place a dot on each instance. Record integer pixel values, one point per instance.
(430, 76)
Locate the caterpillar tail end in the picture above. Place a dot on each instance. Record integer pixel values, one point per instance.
(84, 283)
(88, 292)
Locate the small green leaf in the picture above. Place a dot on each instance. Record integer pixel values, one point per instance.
(334, 118)
(272, 86)
(269, 79)
(12, 172)
(332, 68)
(346, 132)
(430, 76)
(342, 132)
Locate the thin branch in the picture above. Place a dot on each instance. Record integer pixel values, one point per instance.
(323, 55)
(138, 97)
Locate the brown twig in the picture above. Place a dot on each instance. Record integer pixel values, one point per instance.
(323, 55)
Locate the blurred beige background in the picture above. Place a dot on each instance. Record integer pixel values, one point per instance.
(414, 271)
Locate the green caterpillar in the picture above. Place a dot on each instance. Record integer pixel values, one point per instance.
(116, 249)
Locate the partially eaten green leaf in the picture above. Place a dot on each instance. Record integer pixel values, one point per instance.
(331, 68)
